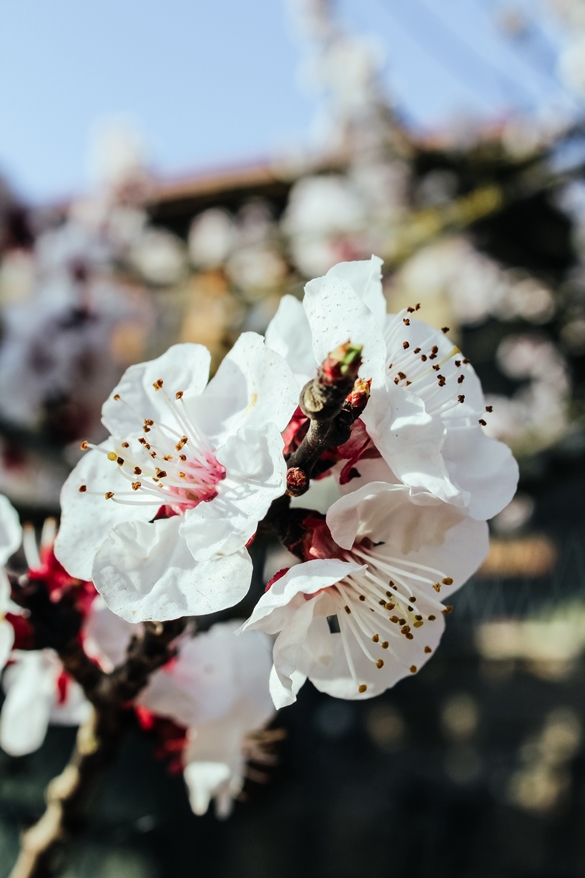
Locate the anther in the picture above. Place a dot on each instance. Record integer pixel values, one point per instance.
(405, 629)
(183, 457)
(437, 587)
(116, 396)
(108, 495)
(375, 638)
(445, 329)
(416, 351)
(436, 367)
(161, 473)
(82, 489)
(136, 485)
(447, 610)
(362, 688)
(418, 618)
(428, 649)
(168, 457)
(461, 379)
(402, 376)
(406, 321)
(137, 471)
(409, 636)
(84, 445)
(447, 581)
(120, 461)
(125, 445)
(148, 422)
(458, 363)
(362, 597)
(424, 358)
(112, 455)
(434, 349)
(489, 408)
(482, 422)
(394, 619)
(380, 663)
(461, 397)
(158, 384)
(385, 644)
(402, 621)
(441, 379)
(432, 618)
(405, 345)
(417, 624)
(465, 360)
(413, 669)
(347, 610)
(179, 394)
(389, 606)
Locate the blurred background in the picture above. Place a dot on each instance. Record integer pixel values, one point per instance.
(169, 171)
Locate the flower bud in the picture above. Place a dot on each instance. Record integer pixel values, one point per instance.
(359, 396)
(342, 364)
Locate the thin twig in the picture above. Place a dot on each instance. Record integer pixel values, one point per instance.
(99, 738)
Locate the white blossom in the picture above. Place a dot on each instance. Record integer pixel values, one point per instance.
(158, 516)
(379, 565)
(37, 693)
(216, 687)
(426, 410)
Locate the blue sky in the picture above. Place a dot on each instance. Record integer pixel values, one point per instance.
(216, 83)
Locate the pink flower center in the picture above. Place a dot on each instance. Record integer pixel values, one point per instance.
(170, 466)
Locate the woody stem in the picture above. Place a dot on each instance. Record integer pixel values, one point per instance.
(97, 743)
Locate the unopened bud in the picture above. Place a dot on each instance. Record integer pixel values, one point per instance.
(359, 396)
(342, 364)
(296, 481)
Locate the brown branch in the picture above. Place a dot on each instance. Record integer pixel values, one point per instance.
(99, 738)
(324, 400)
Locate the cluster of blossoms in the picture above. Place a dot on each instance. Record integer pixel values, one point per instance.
(158, 519)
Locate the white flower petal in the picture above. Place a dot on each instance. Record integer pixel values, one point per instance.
(146, 572)
(336, 314)
(30, 686)
(107, 636)
(277, 606)
(289, 334)
(410, 441)
(365, 279)
(392, 514)
(205, 780)
(183, 367)
(256, 475)
(335, 677)
(200, 685)
(252, 387)
(304, 640)
(484, 468)
(87, 517)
